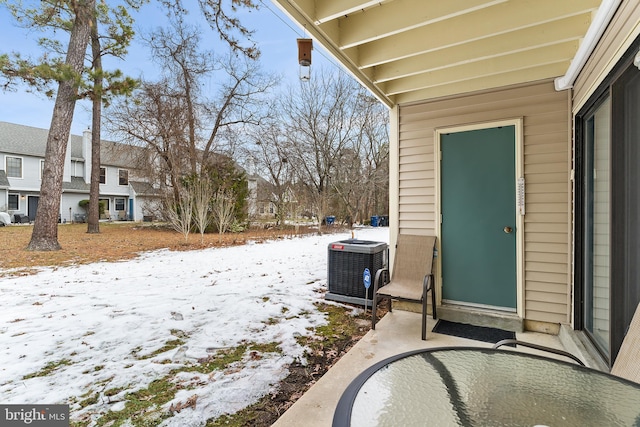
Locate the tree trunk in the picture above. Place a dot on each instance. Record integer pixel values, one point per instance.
(45, 229)
(93, 222)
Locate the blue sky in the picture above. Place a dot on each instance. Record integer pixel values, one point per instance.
(275, 34)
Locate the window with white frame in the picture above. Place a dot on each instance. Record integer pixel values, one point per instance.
(14, 202)
(123, 177)
(13, 167)
(103, 175)
(119, 204)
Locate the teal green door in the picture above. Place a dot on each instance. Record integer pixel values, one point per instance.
(478, 203)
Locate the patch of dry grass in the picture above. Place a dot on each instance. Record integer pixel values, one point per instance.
(116, 241)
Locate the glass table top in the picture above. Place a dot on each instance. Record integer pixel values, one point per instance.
(480, 387)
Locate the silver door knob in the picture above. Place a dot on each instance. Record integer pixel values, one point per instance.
(508, 229)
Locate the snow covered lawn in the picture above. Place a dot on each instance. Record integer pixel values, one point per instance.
(87, 335)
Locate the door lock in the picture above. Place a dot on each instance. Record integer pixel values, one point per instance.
(508, 229)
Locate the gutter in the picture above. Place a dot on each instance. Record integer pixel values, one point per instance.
(600, 22)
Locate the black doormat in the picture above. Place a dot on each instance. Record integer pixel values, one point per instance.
(472, 332)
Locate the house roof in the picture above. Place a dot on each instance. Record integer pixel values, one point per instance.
(76, 184)
(31, 141)
(24, 140)
(143, 188)
(410, 50)
(4, 181)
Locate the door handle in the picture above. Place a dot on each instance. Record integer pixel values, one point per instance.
(508, 229)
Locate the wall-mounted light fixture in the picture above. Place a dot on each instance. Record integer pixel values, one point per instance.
(22, 197)
(304, 58)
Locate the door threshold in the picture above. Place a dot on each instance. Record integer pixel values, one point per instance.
(484, 307)
(481, 317)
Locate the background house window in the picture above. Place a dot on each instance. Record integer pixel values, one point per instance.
(14, 202)
(119, 204)
(74, 168)
(123, 177)
(14, 167)
(103, 175)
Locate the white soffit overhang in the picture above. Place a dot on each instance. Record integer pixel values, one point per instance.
(411, 50)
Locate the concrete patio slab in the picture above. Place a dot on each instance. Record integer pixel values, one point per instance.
(396, 332)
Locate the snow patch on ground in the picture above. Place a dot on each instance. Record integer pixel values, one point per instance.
(100, 326)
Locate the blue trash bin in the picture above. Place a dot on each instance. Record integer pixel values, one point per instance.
(330, 220)
(374, 221)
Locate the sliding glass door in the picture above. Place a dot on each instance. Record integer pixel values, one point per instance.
(607, 220)
(625, 203)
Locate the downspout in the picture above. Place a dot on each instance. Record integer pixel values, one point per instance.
(594, 33)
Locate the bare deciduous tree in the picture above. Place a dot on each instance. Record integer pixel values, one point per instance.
(176, 118)
(157, 123)
(327, 149)
(362, 174)
(375, 147)
(220, 17)
(348, 183)
(202, 193)
(222, 210)
(180, 212)
(268, 152)
(321, 120)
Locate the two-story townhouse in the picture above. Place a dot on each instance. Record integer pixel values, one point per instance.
(22, 150)
(262, 196)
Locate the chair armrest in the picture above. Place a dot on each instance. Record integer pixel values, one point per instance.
(538, 347)
(376, 282)
(427, 282)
